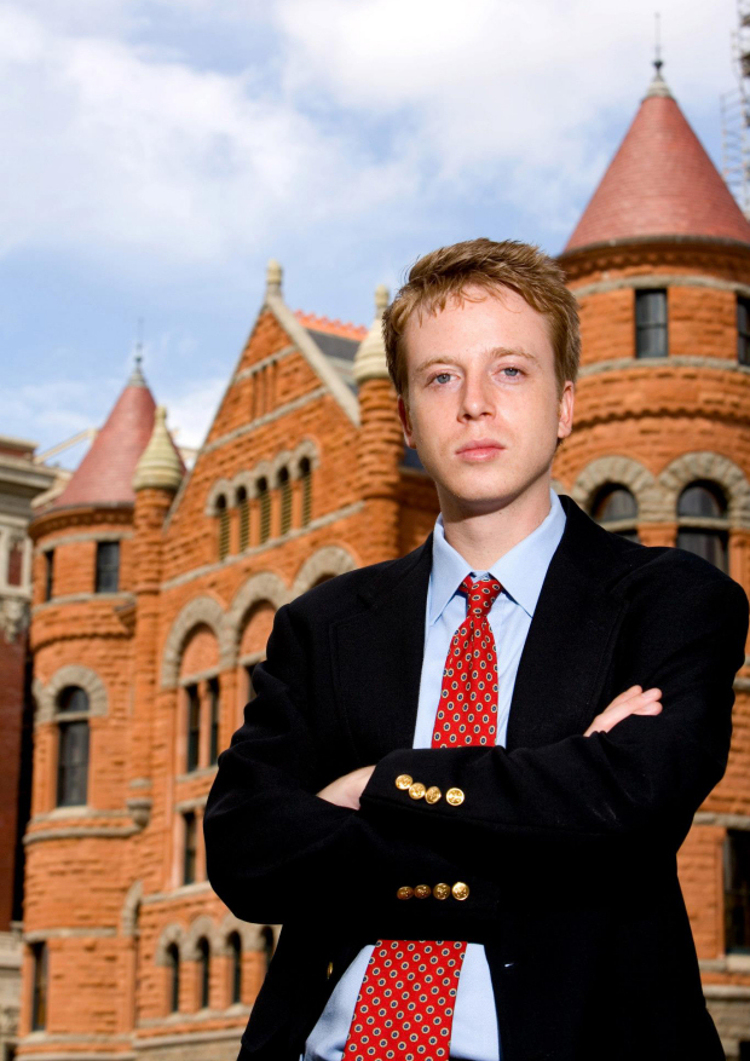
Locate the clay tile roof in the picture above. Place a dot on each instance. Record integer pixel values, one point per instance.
(336, 327)
(661, 182)
(105, 474)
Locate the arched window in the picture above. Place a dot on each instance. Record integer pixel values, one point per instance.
(305, 474)
(194, 727)
(285, 487)
(264, 501)
(267, 943)
(204, 973)
(702, 522)
(243, 506)
(616, 509)
(223, 514)
(73, 747)
(235, 954)
(173, 965)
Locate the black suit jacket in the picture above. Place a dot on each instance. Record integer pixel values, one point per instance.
(567, 843)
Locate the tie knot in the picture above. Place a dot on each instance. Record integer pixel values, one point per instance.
(480, 596)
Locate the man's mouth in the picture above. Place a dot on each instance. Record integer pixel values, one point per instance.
(480, 449)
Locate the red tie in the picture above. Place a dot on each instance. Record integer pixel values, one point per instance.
(405, 1005)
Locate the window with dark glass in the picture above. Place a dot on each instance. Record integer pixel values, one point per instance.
(215, 705)
(651, 323)
(737, 892)
(743, 330)
(223, 514)
(190, 849)
(49, 574)
(264, 501)
(616, 509)
(243, 507)
(285, 487)
(194, 727)
(235, 954)
(173, 964)
(703, 527)
(73, 747)
(107, 567)
(305, 471)
(39, 987)
(204, 973)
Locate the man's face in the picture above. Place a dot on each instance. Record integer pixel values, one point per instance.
(483, 408)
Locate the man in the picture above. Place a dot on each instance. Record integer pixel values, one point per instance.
(465, 776)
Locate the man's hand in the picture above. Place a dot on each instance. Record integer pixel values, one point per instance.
(634, 701)
(345, 791)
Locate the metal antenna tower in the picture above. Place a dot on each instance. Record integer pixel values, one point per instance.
(735, 114)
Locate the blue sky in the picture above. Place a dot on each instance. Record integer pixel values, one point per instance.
(156, 155)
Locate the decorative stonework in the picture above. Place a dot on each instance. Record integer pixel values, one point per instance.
(171, 934)
(222, 487)
(130, 908)
(202, 928)
(250, 935)
(306, 448)
(265, 587)
(620, 471)
(715, 468)
(14, 617)
(71, 674)
(327, 562)
(201, 611)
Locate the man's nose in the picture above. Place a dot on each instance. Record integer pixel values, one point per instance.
(476, 398)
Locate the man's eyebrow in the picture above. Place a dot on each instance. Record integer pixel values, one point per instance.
(495, 352)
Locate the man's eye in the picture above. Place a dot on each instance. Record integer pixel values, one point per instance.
(442, 377)
(511, 371)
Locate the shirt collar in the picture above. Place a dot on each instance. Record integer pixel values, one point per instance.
(521, 571)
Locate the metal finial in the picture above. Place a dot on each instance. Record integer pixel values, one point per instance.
(136, 376)
(658, 62)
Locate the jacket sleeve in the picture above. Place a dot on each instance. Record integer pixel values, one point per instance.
(276, 850)
(643, 780)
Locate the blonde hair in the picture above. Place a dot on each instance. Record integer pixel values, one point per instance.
(482, 263)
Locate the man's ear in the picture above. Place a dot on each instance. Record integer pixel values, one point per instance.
(567, 402)
(403, 415)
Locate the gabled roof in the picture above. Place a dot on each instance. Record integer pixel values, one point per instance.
(337, 340)
(105, 474)
(661, 182)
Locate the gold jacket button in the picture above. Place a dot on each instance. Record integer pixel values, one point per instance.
(441, 891)
(405, 892)
(455, 797)
(423, 891)
(403, 781)
(460, 891)
(433, 794)
(417, 790)
(329, 971)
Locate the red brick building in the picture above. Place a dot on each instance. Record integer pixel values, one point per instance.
(155, 592)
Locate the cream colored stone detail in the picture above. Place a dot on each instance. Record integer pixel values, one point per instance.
(329, 561)
(262, 588)
(202, 928)
(159, 467)
(14, 617)
(715, 468)
(71, 674)
(221, 488)
(197, 612)
(369, 361)
(130, 908)
(172, 933)
(620, 471)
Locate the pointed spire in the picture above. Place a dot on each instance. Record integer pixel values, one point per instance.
(274, 275)
(160, 467)
(661, 182)
(369, 361)
(136, 376)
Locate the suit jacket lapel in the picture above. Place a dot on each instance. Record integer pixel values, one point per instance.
(378, 658)
(566, 655)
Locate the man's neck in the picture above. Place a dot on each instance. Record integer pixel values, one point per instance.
(482, 538)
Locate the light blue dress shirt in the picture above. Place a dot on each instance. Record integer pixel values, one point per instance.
(521, 573)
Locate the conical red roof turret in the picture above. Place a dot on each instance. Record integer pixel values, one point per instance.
(661, 182)
(105, 474)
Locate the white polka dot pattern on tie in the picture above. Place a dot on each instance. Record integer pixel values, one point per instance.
(405, 1005)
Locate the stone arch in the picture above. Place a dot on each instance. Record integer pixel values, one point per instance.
(202, 928)
(200, 611)
(328, 561)
(248, 933)
(246, 480)
(715, 468)
(621, 471)
(130, 908)
(281, 460)
(262, 587)
(172, 933)
(72, 674)
(306, 448)
(263, 470)
(221, 486)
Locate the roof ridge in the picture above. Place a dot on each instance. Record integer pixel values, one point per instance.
(345, 329)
